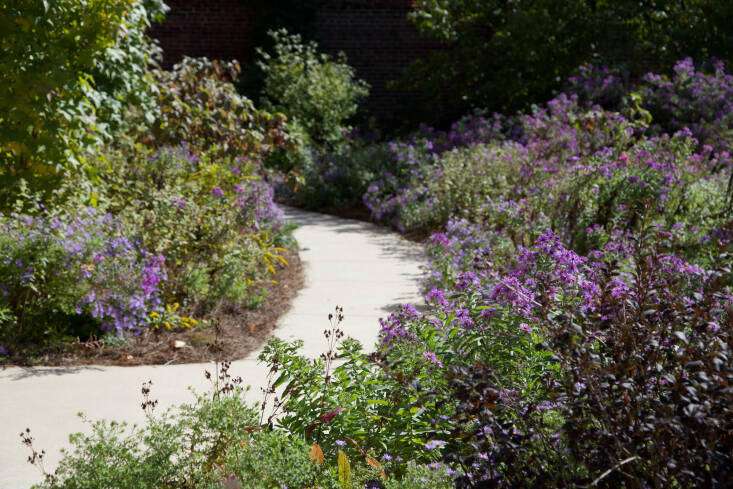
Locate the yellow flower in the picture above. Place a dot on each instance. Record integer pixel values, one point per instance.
(154, 314)
(168, 325)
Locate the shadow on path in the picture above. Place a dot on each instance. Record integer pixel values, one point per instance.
(391, 245)
(30, 372)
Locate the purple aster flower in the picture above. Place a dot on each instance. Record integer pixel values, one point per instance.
(430, 356)
(432, 444)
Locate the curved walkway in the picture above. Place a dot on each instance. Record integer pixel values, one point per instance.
(363, 268)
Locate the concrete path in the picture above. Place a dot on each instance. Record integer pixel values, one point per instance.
(363, 268)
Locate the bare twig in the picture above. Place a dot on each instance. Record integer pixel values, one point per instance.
(606, 473)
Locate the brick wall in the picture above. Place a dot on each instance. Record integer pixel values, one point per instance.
(376, 36)
(379, 42)
(217, 29)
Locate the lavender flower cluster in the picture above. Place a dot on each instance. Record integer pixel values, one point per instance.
(594, 118)
(79, 263)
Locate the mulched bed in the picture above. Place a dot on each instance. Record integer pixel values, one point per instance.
(232, 333)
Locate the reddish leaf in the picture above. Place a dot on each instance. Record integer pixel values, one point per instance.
(326, 418)
(371, 461)
(356, 445)
(316, 454)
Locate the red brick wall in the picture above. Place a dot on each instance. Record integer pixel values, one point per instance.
(378, 40)
(217, 29)
(376, 36)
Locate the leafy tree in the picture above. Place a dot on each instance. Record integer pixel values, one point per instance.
(68, 69)
(506, 54)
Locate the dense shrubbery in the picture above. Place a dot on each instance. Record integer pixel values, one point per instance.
(213, 219)
(613, 353)
(320, 96)
(317, 93)
(699, 99)
(579, 324)
(509, 55)
(199, 105)
(174, 210)
(216, 442)
(527, 156)
(54, 267)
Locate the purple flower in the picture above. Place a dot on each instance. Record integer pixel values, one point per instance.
(179, 203)
(430, 356)
(437, 296)
(432, 444)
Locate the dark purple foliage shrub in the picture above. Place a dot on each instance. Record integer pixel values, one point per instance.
(611, 370)
(642, 395)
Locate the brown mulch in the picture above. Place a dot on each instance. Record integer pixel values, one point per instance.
(229, 333)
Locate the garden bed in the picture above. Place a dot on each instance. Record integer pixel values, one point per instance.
(231, 332)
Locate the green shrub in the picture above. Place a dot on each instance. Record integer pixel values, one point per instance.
(200, 105)
(355, 400)
(200, 445)
(212, 218)
(319, 94)
(339, 178)
(214, 443)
